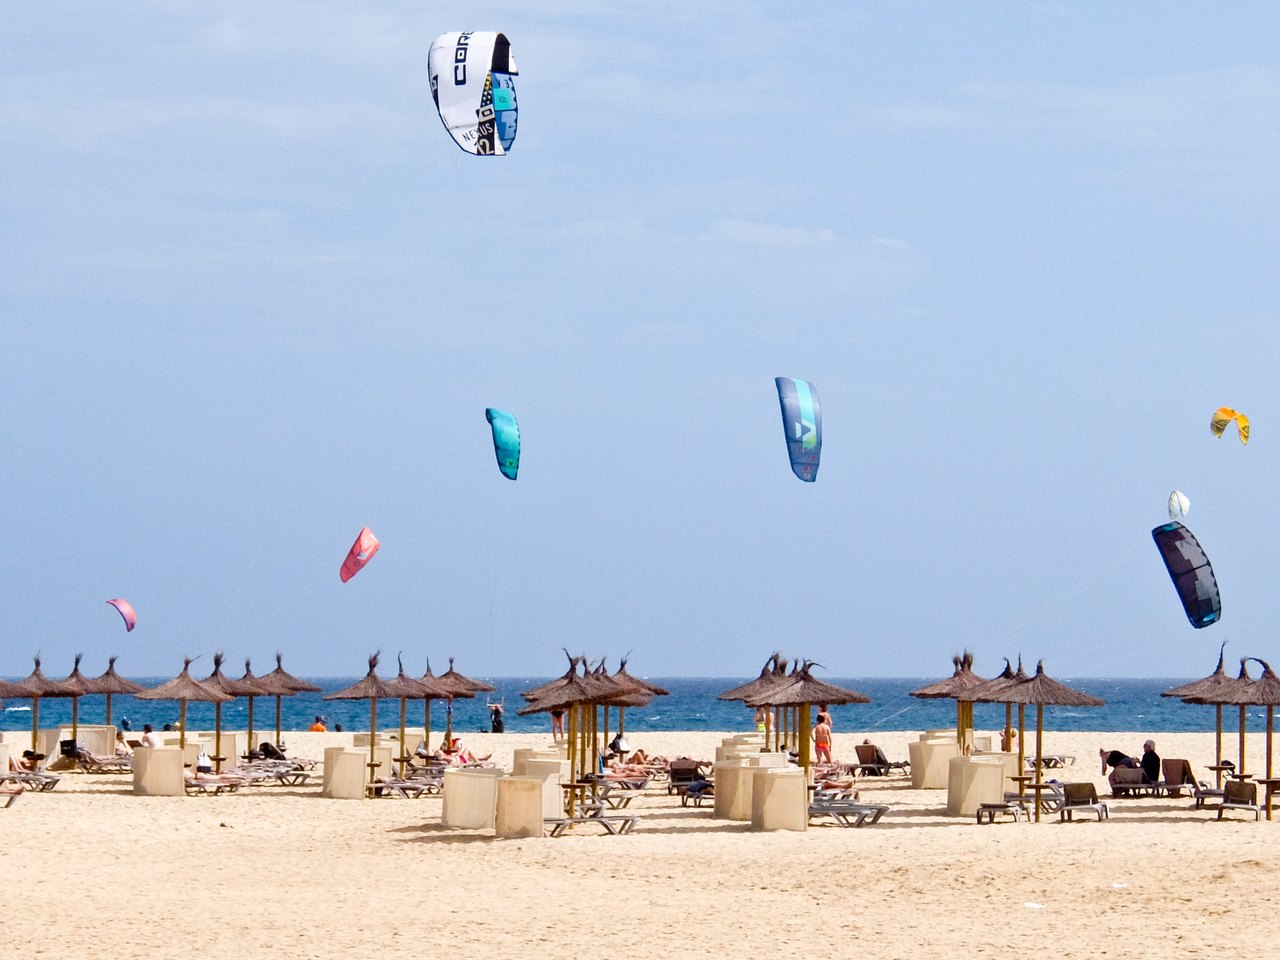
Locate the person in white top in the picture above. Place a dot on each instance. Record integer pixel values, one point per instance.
(150, 738)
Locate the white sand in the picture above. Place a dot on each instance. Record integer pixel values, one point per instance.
(92, 870)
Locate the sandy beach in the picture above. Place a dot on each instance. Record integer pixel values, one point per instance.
(281, 872)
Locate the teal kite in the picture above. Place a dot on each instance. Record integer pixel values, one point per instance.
(506, 440)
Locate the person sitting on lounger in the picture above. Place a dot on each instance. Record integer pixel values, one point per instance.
(270, 751)
(1114, 758)
(1150, 763)
(150, 738)
(122, 746)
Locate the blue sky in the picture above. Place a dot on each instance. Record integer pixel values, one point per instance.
(253, 298)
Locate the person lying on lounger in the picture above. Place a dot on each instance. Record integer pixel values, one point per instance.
(1114, 758)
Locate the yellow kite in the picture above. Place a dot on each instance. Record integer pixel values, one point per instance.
(1224, 415)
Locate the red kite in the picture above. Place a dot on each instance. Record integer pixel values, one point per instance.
(362, 552)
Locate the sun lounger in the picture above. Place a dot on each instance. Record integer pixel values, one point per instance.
(94, 763)
(848, 813)
(32, 780)
(1078, 798)
(696, 792)
(210, 785)
(872, 762)
(1240, 795)
(614, 826)
(684, 771)
(989, 811)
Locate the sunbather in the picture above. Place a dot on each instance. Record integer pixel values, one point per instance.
(122, 746)
(1114, 758)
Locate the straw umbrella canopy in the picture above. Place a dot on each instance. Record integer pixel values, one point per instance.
(111, 683)
(1215, 683)
(572, 692)
(652, 689)
(40, 687)
(406, 689)
(802, 690)
(1263, 692)
(265, 687)
(774, 671)
(234, 688)
(433, 690)
(990, 691)
(1222, 692)
(184, 688)
(373, 689)
(958, 687)
(14, 691)
(83, 686)
(287, 685)
(1043, 690)
(464, 688)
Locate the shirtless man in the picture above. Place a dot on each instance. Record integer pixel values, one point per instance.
(150, 738)
(821, 737)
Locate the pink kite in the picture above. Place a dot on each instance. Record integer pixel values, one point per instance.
(125, 610)
(362, 552)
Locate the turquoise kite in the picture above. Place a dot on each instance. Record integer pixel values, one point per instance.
(506, 441)
(802, 423)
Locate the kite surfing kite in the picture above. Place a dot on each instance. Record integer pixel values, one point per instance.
(1191, 573)
(506, 440)
(125, 609)
(802, 424)
(361, 552)
(474, 90)
(1179, 505)
(1223, 416)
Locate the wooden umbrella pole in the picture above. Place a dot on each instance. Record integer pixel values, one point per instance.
(1008, 724)
(278, 699)
(251, 722)
(1242, 722)
(75, 718)
(404, 750)
(108, 709)
(622, 721)
(606, 725)
(217, 736)
(804, 740)
(1039, 752)
(182, 724)
(1217, 748)
(373, 737)
(35, 723)
(1270, 708)
(1022, 747)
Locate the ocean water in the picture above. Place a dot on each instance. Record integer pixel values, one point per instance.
(1130, 705)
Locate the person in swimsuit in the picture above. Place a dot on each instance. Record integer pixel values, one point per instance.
(1114, 758)
(821, 737)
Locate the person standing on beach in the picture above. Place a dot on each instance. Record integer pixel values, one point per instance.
(557, 724)
(821, 737)
(495, 718)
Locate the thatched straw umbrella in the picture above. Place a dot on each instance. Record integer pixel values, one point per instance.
(111, 683)
(989, 691)
(572, 693)
(802, 690)
(433, 690)
(1043, 690)
(466, 689)
(406, 689)
(373, 689)
(14, 691)
(287, 686)
(233, 688)
(1263, 692)
(184, 688)
(41, 687)
(652, 689)
(84, 686)
(956, 687)
(773, 672)
(1209, 686)
(1224, 692)
(265, 688)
